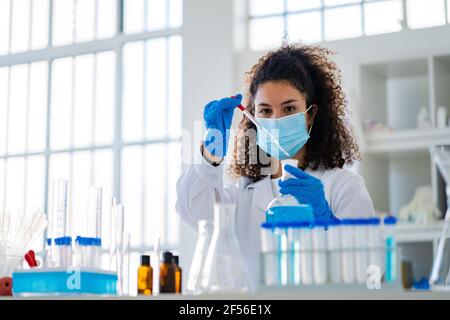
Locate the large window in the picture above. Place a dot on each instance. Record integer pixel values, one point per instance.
(90, 91)
(270, 21)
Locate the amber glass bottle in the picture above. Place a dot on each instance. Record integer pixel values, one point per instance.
(178, 274)
(145, 277)
(167, 274)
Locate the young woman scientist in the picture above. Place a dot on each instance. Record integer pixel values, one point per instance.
(297, 90)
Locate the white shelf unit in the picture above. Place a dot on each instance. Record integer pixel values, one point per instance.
(397, 161)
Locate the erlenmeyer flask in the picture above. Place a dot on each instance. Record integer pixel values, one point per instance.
(205, 231)
(224, 269)
(285, 208)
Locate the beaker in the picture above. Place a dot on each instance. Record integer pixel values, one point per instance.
(205, 231)
(285, 208)
(225, 270)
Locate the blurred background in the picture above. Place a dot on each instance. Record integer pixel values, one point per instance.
(100, 92)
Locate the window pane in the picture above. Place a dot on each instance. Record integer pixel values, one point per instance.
(156, 14)
(156, 91)
(106, 15)
(15, 178)
(422, 14)
(134, 16)
(83, 99)
(296, 5)
(20, 25)
(4, 84)
(173, 173)
(35, 182)
(105, 97)
(61, 105)
(175, 13)
(37, 110)
(343, 23)
(263, 7)
(448, 11)
(329, 3)
(39, 31)
(155, 190)
(175, 83)
(305, 26)
(18, 109)
(266, 33)
(133, 91)
(392, 13)
(79, 186)
(84, 20)
(2, 184)
(131, 192)
(62, 22)
(4, 26)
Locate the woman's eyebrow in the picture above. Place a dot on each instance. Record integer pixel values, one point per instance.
(289, 101)
(263, 104)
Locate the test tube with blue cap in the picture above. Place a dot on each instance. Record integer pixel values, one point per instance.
(57, 243)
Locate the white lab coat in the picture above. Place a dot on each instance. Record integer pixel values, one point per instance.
(345, 192)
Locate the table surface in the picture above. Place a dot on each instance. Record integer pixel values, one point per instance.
(281, 293)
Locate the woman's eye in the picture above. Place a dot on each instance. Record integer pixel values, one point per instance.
(264, 111)
(289, 109)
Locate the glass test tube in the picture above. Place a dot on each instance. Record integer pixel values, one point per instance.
(319, 242)
(294, 244)
(375, 244)
(334, 253)
(269, 264)
(347, 251)
(361, 250)
(306, 260)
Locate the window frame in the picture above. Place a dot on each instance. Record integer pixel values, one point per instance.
(50, 53)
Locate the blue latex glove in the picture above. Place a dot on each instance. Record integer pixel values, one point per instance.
(307, 189)
(218, 116)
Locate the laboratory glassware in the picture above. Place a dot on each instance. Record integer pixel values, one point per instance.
(178, 275)
(375, 244)
(57, 226)
(306, 256)
(347, 250)
(225, 270)
(269, 252)
(205, 231)
(391, 250)
(360, 232)
(440, 273)
(320, 254)
(334, 251)
(145, 277)
(285, 208)
(167, 274)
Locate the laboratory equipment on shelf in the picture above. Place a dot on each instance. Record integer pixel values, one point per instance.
(224, 269)
(205, 231)
(440, 273)
(145, 277)
(285, 208)
(341, 252)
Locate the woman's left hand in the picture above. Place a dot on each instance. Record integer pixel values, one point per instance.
(309, 190)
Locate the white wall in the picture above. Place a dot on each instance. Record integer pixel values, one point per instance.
(207, 74)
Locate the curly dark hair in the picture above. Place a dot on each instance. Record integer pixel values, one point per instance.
(310, 70)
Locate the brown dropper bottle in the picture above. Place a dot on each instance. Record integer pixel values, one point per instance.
(178, 274)
(145, 277)
(167, 274)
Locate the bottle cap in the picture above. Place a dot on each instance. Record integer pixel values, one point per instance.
(145, 260)
(176, 260)
(168, 257)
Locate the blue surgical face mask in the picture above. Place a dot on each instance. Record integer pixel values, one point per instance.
(290, 131)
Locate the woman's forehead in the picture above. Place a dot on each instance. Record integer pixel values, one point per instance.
(277, 92)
